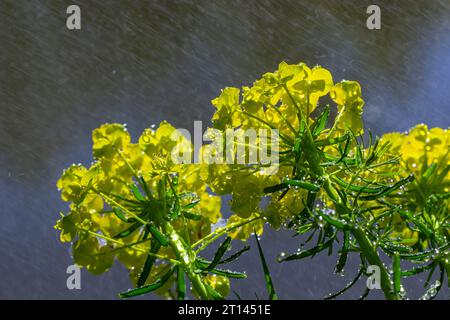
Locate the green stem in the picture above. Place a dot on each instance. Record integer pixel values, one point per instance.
(372, 256)
(311, 154)
(132, 246)
(365, 245)
(220, 232)
(186, 258)
(336, 121)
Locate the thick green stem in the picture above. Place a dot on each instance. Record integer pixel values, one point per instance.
(186, 258)
(372, 256)
(365, 245)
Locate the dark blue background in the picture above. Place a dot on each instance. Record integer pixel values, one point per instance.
(139, 62)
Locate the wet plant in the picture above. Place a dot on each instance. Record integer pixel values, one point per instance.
(335, 186)
(155, 217)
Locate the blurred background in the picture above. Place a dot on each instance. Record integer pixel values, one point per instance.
(139, 62)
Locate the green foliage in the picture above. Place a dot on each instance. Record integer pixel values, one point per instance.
(336, 185)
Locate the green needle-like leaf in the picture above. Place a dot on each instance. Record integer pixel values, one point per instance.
(181, 284)
(191, 205)
(307, 253)
(146, 188)
(426, 254)
(236, 255)
(148, 288)
(162, 239)
(119, 214)
(397, 273)
(267, 277)
(356, 188)
(321, 121)
(137, 194)
(202, 264)
(416, 270)
(345, 151)
(213, 293)
(430, 171)
(219, 254)
(229, 273)
(344, 252)
(275, 188)
(389, 190)
(302, 184)
(192, 216)
(351, 284)
(155, 246)
(128, 231)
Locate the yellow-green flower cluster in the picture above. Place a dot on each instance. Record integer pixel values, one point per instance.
(425, 153)
(279, 100)
(119, 166)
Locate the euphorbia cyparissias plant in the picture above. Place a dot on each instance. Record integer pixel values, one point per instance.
(365, 195)
(154, 216)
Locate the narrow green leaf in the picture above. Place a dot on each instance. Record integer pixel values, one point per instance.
(416, 270)
(267, 277)
(162, 239)
(128, 231)
(137, 194)
(119, 214)
(302, 184)
(351, 284)
(321, 122)
(275, 188)
(395, 247)
(356, 188)
(434, 289)
(149, 287)
(219, 254)
(442, 175)
(344, 252)
(430, 171)
(425, 254)
(359, 155)
(298, 146)
(421, 226)
(397, 273)
(373, 154)
(236, 255)
(181, 284)
(346, 150)
(213, 293)
(389, 190)
(331, 141)
(308, 208)
(191, 205)
(202, 264)
(229, 273)
(192, 216)
(365, 294)
(146, 189)
(430, 275)
(149, 261)
(307, 253)
(341, 225)
(304, 228)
